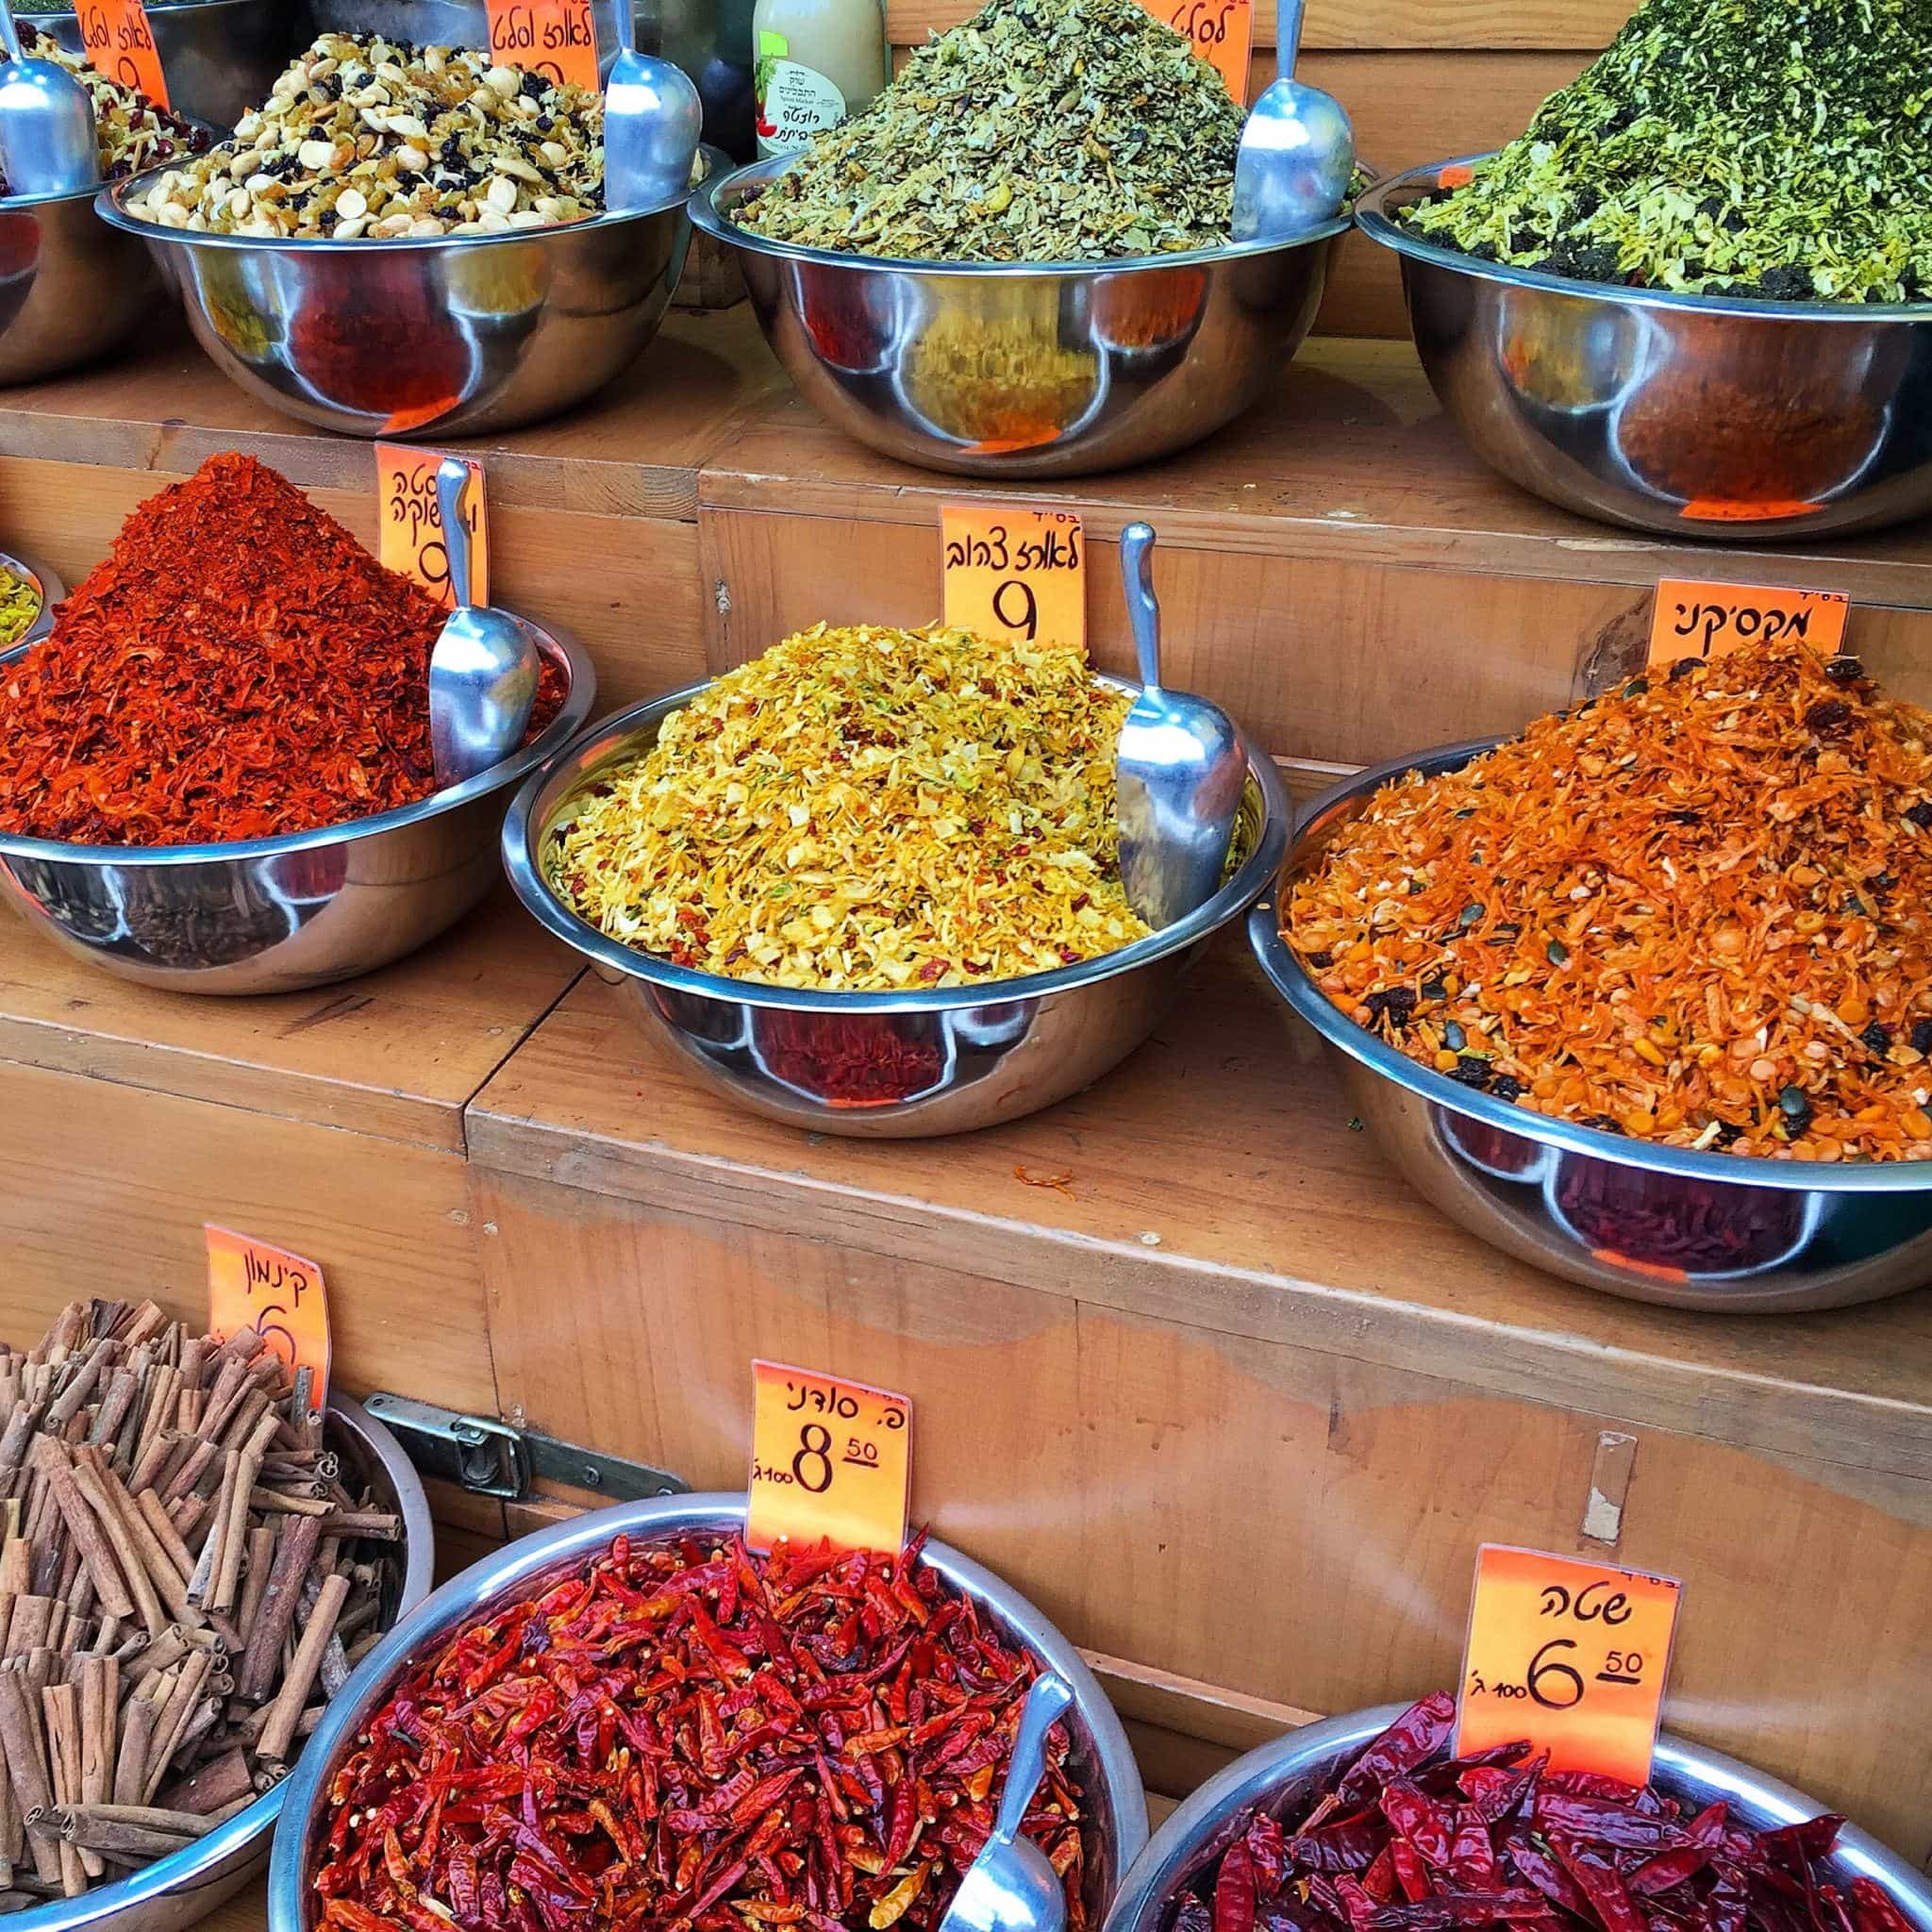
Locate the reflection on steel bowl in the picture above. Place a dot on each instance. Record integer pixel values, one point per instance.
(1651, 1224)
(1116, 1821)
(886, 1064)
(1287, 1773)
(1689, 415)
(1025, 370)
(456, 335)
(276, 915)
(71, 289)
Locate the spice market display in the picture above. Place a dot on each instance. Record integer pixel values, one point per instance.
(1693, 911)
(20, 607)
(186, 1580)
(864, 809)
(688, 1734)
(132, 134)
(237, 667)
(1776, 149)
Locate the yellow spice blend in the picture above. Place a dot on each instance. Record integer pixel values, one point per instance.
(865, 809)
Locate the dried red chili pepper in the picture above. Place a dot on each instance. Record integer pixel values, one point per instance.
(237, 667)
(699, 1738)
(1408, 1838)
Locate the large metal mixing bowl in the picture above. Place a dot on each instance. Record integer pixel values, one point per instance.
(1709, 1231)
(1023, 370)
(455, 336)
(181, 1890)
(71, 288)
(276, 915)
(1687, 415)
(1116, 1825)
(220, 56)
(1286, 1773)
(943, 1061)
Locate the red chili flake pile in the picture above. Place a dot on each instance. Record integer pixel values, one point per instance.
(691, 1735)
(1697, 911)
(237, 667)
(1410, 1840)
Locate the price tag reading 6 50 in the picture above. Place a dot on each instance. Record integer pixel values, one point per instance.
(828, 1462)
(1570, 1656)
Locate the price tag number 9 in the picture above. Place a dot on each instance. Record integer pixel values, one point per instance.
(1019, 575)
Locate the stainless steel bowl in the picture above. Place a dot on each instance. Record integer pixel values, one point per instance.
(220, 56)
(180, 1890)
(1023, 370)
(47, 587)
(1287, 1771)
(960, 1057)
(275, 915)
(1117, 1807)
(455, 336)
(71, 289)
(1711, 1231)
(1687, 415)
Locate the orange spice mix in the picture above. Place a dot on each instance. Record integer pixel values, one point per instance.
(1697, 911)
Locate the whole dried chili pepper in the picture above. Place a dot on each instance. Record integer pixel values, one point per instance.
(237, 667)
(680, 1737)
(1408, 1838)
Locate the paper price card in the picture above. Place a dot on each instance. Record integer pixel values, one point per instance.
(553, 38)
(1571, 1656)
(279, 1295)
(1694, 620)
(412, 526)
(118, 43)
(829, 1460)
(1017, 574)
(1222, 32)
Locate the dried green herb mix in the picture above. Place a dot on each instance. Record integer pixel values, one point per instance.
(1770, 148)
(1039, 130)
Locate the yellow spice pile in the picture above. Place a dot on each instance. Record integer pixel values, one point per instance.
(865, 809)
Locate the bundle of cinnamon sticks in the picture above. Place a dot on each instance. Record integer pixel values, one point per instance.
(185, 1580)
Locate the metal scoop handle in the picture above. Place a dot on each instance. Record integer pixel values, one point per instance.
(1045, 1702)
(10, 34)
(1143, 607)
(1288, 37)
(452, 486)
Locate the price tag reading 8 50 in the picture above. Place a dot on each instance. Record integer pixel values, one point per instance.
(1571, 1656)
(829, 1461)
(1015, 573)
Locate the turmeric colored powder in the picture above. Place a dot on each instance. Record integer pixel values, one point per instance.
(1697, 911)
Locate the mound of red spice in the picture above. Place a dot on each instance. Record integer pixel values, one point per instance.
(692, 1736)
(1406, 1838)
(237, 667)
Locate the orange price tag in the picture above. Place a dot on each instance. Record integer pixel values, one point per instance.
(279, 1295)
(830, 1459)
(556, 38)
(1018, 573)
(412, 526)
(118, 43)
(1222, 32)
(1694, 620)
(1571, 1656)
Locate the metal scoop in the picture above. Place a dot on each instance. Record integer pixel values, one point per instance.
(47, 143)
(1297, 153)
(483, 671)
(1179, 772)
(652, 119)
(1010, 1887)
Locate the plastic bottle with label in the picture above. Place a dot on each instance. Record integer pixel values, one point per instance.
(817, 62)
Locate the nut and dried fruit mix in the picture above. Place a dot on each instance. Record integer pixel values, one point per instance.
(864, 809)
(367, 137)
(1778, 149)
(1697, 911)
(132, 133)
(1039, 130)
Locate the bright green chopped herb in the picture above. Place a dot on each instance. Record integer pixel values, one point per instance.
(1769, 148)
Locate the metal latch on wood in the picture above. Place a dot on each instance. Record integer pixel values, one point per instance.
(491, 1458)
